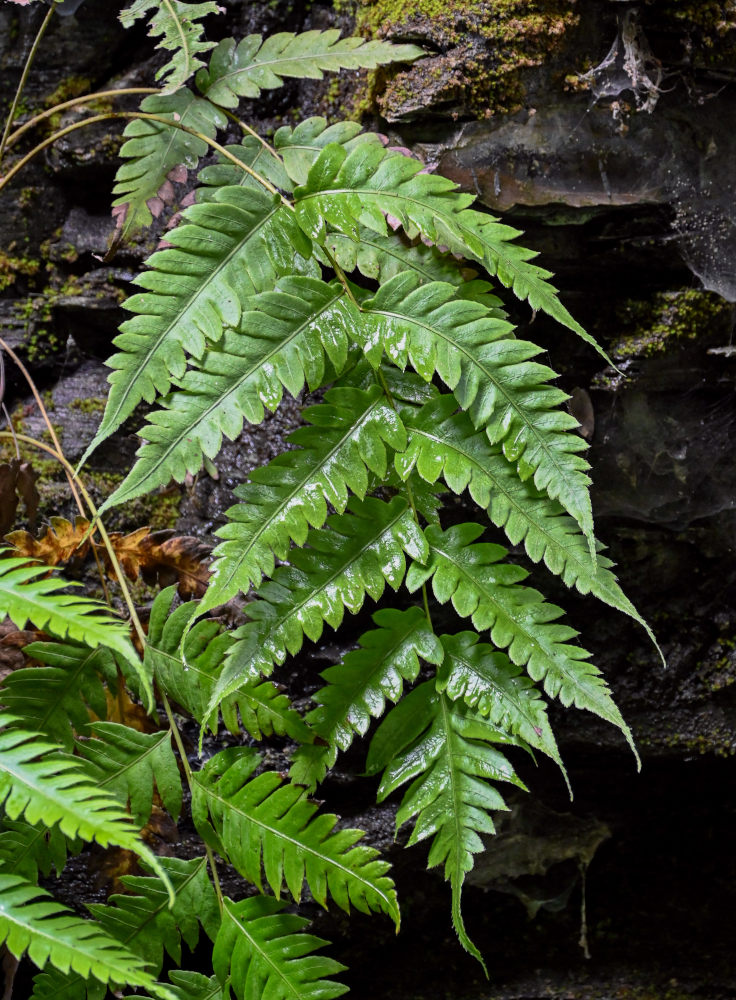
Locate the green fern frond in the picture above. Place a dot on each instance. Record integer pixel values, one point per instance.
(127, 763)
(356, 554)
(488, 591)
(153, 151)
(346, 190)
(193, 294)
(27, 593)
(357, 689)
(264, 954)
(175, 24)
(253, 65)
(186, 662)
(444, 442)
(195, 986)
(145, 921)
(26, 850)
(55, 699)
(345, 442)
(381, 257)
(32, 921)
(282, 346)
(444, 749)
(257, 155)
(266, 823)
(493, 378)
(55, 985)
(42, 784)
(490, 683)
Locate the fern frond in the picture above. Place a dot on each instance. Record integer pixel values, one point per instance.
(361, 187)
(493, 378)
(42, 784)
(488, 591)
(489, 682)
(345, 442)
(282, 346)
(264, 822)
(55, 699)
(127, 763)
(32, 921)
(195, 986)
(28, 594)
(228, 249)
(55, 985)
(381, 257)
(25, 850)
(186, 663)
(253, 65)
(153, 151)
(175, 24)
(357, 689)
(146, 922)
(356, 554)
(444, 748)
(264, 954)
(444, 442)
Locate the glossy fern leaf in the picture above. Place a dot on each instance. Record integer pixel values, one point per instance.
(175, 24)
(496, 688)
(41, 784)
(27, 593)
(154, 153)
(357, 554)
(128, 764)
(227, 249)
(356, 690)
(186, 662)
(26, 850)
(146, 922)
(444, 443)
(252, 65)
(55, 699)
(445, 749)
(55, 985)
(361, 187)
(195, 986)
(488, 591)
(493, 377)
(264, 952)
(281, 346)
(32, 922)
(345, 443)
(264, 823)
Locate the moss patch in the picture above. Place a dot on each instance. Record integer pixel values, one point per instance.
(670, 321)
(11, 268)
(484, 50)
(709, 26)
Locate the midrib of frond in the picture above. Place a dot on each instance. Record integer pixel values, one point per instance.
(265, 957)
(191, 300)
(510, 696)
(181, 33)
(311, 473)
(521, 413)
(221, 400)
(71, 682)
(456, 797)
(122, 770)
(258, 64)
(25, 853)
(294, 609)
(300, 847)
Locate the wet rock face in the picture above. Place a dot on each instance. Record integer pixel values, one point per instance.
(605, 130)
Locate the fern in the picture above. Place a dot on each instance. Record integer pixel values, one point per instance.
(195, 986)
(26, 850)
(445, 749)
(487, 590)
(31, 921)
(174, 22)
(55, 700)
(357, 689)
(262, 821)
(127, 763)
(356, 554)
(263, 953)
(243, 70)
(284, 498)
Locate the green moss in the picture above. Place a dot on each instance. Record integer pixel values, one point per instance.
(91, 404)
(486, 47)
(709, 27)
(669, 321)
(11, 268)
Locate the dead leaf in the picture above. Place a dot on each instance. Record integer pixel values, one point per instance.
(12, 641)
(163, 558)
(61, 542)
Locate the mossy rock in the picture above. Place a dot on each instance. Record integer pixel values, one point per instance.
(671, 321)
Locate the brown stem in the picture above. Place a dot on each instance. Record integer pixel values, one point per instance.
(24, 77)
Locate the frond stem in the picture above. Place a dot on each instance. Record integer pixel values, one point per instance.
(83, 99)
(24, 76)
(140, 115)
(251, 131)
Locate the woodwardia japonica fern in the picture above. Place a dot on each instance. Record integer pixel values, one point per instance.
(285, 276)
